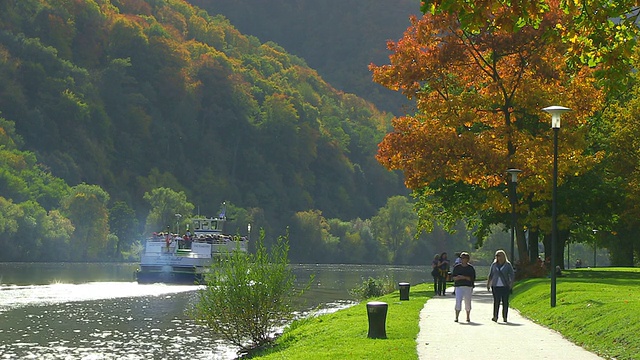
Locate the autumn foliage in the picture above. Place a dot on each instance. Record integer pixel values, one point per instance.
(479, 95)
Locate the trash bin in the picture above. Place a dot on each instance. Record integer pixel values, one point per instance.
(404, 290)
(377, 315)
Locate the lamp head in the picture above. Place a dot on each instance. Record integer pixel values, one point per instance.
(555, 112)
(514, 174)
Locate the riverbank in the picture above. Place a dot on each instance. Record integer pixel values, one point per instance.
(343, 334)
(596, 309)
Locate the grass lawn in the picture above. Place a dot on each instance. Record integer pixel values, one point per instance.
(598, 309)
(343, 334)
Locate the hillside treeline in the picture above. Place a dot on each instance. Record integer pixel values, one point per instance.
(46, 219)
(131, 96)
(338, 38)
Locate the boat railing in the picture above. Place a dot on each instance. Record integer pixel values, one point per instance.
(199, 247)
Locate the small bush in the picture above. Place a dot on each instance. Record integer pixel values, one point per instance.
(249, 296)
(374, 288)
(531, 270)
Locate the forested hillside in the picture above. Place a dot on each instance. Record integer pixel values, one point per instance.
(339, 38)
(130, 96)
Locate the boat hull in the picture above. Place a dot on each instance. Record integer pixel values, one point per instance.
(170, 276)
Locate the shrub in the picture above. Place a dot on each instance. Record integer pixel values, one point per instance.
(248, 296)
(373, 288)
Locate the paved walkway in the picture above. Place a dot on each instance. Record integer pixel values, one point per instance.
(482, 338)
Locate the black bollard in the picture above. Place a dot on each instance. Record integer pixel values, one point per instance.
(404, 290)
(377, 314)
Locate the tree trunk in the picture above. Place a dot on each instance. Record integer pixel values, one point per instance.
(533, 246)
(523, 253)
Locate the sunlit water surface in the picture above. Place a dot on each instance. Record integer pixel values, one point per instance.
(95, 311)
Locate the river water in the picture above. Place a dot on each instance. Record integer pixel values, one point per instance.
(98, 311)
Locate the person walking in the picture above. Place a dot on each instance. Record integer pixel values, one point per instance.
(435, 272)
(456, 262)
(443, 269)
(500, 282)
(464, 276)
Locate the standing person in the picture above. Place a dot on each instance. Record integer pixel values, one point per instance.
(500, 281)
(443, 268)
(435, 272)
(464, 277)
(456, 262)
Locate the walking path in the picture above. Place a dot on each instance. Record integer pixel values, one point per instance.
(482, 338)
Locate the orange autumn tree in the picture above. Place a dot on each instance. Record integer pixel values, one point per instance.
(479, 95)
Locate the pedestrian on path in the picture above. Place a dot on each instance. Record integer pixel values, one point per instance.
(464, 276)
(442, 272)
(435, 272)
(500, 282)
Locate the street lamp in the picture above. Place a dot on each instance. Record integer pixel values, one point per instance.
(178, 216)
(595, 238)
(568, 259)
(514, 183)
(249, 231)
(556, 112)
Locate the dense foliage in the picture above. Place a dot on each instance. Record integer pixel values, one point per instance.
(480, 76)
(133, 95)
(338, 38)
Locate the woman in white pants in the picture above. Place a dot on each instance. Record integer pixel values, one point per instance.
(464, 277)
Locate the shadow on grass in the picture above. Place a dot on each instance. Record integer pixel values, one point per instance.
(596, 274)
(605, 276)
(422, 293)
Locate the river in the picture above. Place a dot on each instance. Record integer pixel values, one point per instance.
(97, 311)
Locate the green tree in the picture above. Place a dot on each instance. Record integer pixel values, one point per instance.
(165, 204)
(618, 204)
(394, 225)
(86, 207)
(248, 295)
(123, 224)
(57, 231)
(311, 239)
(9, 215)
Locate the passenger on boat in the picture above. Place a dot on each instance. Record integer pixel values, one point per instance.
(167, 240)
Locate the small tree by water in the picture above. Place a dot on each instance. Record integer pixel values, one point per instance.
(249, 295)
(373, 288)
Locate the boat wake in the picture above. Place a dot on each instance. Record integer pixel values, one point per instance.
(16, 296)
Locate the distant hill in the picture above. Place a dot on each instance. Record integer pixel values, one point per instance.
(132, 95)
(339, 38)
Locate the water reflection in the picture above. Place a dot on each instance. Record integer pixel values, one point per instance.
(13, 296)
(150, 326)
(95, 311)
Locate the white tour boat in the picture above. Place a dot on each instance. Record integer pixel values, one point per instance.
(171, 258)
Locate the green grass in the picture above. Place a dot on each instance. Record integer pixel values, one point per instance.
(343, 334)
(598, 309)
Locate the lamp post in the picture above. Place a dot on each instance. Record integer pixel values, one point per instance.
(249, 231)
(178, 216)
(556, 112)
(514, 183)
(595, 238)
